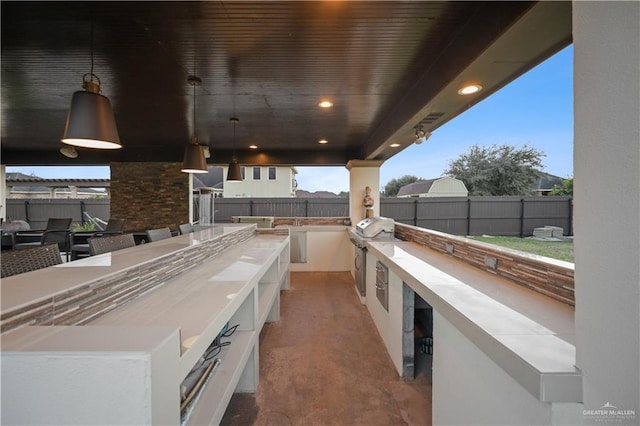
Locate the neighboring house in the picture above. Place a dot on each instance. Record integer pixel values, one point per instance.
(23, 186)
(545, 183)
(439, 187)
(262, 181)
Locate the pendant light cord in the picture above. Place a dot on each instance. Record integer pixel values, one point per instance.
(194, 110)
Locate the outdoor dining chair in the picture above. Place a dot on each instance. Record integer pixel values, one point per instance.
(18, 261)
(80, 240)
(100, 245)
(158, 234)
(185, 228)
(56, 231)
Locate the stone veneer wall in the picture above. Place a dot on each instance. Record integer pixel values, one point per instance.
(301, 221)
(149, 195)
(549, 278)
(80, 305)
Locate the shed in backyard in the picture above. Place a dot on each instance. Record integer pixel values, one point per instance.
(439, 187)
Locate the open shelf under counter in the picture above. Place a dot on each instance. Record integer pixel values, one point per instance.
(235, 372)
(187, 312)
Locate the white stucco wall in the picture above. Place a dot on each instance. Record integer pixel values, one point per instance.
(607, 203)
(363, 173)
(470, 389)
(326, 250)
(3, 189)
(388, 323)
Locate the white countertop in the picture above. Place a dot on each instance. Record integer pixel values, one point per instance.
(525, 333)
(191, 303)
(42, 284)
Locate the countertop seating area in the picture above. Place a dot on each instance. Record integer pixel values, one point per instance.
(19, 261)
(79, 240)
(148, 315)
(100, 245)
(158, 234)
(185, 228)
(57, 231)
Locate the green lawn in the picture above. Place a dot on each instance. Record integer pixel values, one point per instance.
(557, 250)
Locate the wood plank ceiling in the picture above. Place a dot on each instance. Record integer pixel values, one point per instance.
(386, 66)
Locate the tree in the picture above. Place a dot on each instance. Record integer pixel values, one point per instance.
(393, 186)
(565, 189)
(497, 170)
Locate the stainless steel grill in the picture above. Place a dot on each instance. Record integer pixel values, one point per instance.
(370, 229)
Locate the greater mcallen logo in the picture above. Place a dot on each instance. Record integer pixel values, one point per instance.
(610, 413)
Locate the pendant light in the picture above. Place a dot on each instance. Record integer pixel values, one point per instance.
(194, 160)
(234, 173)
(90, 122)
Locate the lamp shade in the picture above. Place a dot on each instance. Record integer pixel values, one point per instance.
(90, 122)
(194, 161)
(234, 174)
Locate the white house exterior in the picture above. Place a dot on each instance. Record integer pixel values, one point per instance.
(262, 181)
(439, 187)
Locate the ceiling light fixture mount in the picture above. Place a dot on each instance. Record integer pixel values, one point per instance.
(69, 151)
(194, 156)
(90, 121)
(421, 135)
(234, 174)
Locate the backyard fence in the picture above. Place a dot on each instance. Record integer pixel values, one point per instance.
(37, 211)
(508, 216)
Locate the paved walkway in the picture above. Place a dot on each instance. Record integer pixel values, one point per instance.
(324, 363)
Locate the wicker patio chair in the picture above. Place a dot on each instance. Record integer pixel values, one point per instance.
(185, 228)
(99, 245)
(80, 240)
(18, 261)
(158, 234)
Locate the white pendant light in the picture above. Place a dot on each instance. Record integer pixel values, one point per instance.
(194, 158)
(90, 122)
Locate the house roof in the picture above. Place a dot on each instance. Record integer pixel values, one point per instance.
(20, 180)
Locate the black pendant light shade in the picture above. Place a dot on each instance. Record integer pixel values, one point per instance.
(90, 122)
(194, 161)
(234, 174)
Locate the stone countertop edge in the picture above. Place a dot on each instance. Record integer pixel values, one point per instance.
(540, 361)
(93, 273)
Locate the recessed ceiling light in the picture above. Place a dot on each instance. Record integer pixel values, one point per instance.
(253, 146)
(394, 145)
(323, 141)
(325, 104)
(470, 89)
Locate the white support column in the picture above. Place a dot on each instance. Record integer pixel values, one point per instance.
(363, 173)
(3, 191)
(607, 207)
(190, 197)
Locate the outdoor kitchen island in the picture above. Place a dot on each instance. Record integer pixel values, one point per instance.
(111, 338)
(504, 352)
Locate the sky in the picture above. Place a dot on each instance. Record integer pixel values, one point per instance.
(535, 109)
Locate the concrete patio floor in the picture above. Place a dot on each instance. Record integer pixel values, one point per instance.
(324, 363)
